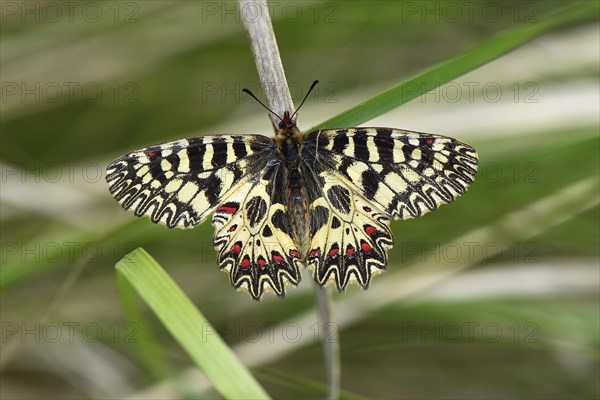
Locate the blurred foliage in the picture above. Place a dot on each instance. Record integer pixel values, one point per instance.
(187, 325)
(166, 70)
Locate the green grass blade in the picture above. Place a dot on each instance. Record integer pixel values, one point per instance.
(459, 65)
(193, 332)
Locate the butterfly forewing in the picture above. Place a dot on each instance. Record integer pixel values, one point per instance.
(404, 174)
(179, 183)
(369, 176)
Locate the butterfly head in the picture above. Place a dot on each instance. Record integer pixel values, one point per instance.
(287, 125)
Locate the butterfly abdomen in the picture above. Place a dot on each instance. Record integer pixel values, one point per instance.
(295, 194)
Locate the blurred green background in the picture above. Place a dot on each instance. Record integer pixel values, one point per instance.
(494, 296)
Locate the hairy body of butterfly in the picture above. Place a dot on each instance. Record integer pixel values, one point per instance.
(324, 200)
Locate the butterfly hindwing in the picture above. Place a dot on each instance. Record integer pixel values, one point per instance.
(253, 237)
(369, 176)
(179, 183)
(349, 239)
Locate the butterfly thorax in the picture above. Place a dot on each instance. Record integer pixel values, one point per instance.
(287, 130)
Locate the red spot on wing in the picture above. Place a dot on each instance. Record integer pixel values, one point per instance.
(261, 262)
(227, 210)
(370, 230)
(245, 262)
(364, 246)
(294, 253)
(333, 252)
(277, 258)
(236, 248)
(151, 153)
(350, 251)
(314, 253)
(367, 209)
(428, 142)
(232, 228)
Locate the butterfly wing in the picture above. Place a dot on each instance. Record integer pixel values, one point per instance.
(253, 236)
(237, 177)
(179, 183)
(369, 176)
(348, 237)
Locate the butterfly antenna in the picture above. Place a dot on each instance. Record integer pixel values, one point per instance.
(261, 103)
(305, 97)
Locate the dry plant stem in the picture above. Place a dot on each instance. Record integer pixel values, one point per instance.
(256, 20)
(330, 337)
